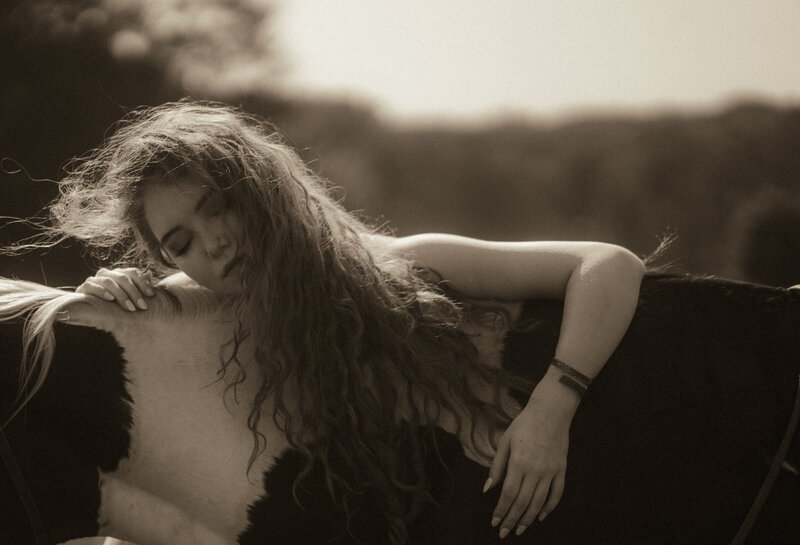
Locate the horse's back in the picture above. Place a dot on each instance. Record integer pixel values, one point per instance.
(669, 446)
(675, 436)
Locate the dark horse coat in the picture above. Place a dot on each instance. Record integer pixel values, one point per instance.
(128, 435)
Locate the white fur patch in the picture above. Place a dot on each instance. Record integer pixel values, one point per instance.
(186, 479)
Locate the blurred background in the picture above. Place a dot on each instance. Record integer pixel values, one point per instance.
(621, 121)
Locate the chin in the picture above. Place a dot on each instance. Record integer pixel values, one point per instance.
(227, 287)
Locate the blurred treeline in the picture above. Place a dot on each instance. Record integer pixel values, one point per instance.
(726, 183)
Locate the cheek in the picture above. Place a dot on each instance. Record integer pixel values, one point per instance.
(233, 223)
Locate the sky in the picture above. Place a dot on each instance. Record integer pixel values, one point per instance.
(464, 60)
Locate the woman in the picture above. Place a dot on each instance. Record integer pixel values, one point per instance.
(350, 334)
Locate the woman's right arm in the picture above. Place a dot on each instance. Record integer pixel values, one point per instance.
(128, 287)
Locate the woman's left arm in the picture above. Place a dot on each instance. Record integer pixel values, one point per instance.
(599, 284)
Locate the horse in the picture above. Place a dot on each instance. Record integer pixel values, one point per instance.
(134, 432)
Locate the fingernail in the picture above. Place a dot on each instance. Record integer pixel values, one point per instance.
(107, 296)
(521, 528)
(129, 305)
(503, 533)
(142, 305)
(487, 485)
(542, 516)
(496, 521)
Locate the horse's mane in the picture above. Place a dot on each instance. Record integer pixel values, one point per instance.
(41, 307)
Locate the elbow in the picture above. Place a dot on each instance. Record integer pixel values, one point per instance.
(617, 263)
(631, 262)
(625, 265)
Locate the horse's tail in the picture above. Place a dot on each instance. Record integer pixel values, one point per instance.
(41, 307)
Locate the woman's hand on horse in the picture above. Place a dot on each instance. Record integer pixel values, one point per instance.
(532, 453)
(128, 287)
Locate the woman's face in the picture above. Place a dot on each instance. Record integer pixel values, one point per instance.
(196, 231)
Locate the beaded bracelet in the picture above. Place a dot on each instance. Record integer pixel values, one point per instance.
(572, 377)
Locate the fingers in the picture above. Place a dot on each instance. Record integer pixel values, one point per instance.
(510, 491)
(543, 492)
(126, 286)
(513, 501)
(556, 491)
(498, 467)
(524, 496)
(137, 278)
(520, 503)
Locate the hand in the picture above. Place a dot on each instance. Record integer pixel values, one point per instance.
(533, 455)
(123, 285)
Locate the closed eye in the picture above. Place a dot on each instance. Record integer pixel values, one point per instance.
(179, 244)
(183, 250)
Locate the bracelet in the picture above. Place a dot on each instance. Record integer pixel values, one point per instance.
(572, 377)
(571, 371)
(574, 384)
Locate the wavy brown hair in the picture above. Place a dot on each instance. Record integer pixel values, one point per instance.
(348, 340)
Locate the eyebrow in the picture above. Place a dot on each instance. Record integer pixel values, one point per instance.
(197, 207)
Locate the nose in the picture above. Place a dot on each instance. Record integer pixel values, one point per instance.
(216, 243)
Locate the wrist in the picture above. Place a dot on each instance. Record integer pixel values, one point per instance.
(553, 393)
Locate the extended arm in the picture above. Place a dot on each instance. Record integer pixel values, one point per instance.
(599, 284)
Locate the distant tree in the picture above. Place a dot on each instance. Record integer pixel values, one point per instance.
(770, 241)
(71, 68)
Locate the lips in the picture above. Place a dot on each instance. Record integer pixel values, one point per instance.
(231, 265)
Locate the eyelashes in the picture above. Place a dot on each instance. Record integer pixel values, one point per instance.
(183, 249)
(213, 207)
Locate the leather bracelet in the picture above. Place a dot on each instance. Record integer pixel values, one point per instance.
(574, 384)
(572, 372)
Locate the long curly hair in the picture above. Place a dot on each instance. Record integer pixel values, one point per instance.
(349, 340)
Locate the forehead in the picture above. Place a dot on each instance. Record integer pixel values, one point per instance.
(166, 202)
